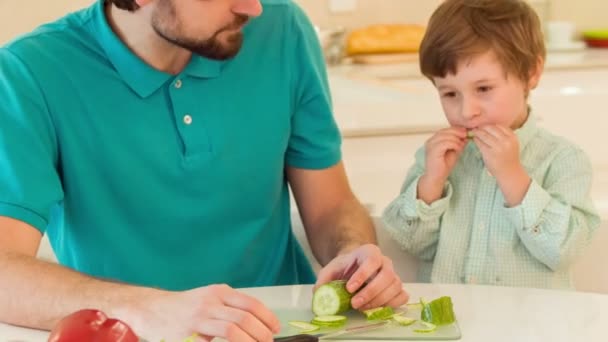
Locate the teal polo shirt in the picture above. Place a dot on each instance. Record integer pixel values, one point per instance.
(170, 181)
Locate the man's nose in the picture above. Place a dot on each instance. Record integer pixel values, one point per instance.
(250, 8)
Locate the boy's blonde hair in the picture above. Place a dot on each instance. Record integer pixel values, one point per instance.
(461, 29)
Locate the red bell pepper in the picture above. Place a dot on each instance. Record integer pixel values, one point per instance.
(90, 325)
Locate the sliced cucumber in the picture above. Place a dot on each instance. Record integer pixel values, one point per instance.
(439, 312)
(303, 326)
(414, 306)
(424, 327)
(383, 312)
(329, 320)
(403, 320)
(331, 299)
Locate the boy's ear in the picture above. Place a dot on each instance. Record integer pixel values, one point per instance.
(536, 73)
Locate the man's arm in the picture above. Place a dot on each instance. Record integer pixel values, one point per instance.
(38, 294)
(334, 220)
(29, 284)
(343, 239)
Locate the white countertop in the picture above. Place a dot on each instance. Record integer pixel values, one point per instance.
(581, 59)
(368, 106)
(484, 313)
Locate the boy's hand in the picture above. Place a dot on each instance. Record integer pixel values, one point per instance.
(443, 150)
(499, 149)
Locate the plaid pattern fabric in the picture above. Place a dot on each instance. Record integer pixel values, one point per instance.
(470, 236)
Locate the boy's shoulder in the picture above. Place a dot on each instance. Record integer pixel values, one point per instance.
(549, 147)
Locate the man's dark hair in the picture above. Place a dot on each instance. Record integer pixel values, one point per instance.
(129, 5)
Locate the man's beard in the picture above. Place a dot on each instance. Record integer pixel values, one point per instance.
(213, 47)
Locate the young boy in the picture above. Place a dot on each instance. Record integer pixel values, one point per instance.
(493, 199)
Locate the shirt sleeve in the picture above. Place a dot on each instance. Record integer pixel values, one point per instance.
(315, 139)
(556, 218)
(413, 223)
(29, 181)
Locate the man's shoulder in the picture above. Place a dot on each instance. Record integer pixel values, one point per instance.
(285, 8)
(51, 37)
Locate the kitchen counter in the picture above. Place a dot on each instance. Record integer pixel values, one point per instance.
(484, 313)
(368, 106)
(581, 59)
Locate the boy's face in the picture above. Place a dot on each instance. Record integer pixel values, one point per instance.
(210, 28)
(481, 93)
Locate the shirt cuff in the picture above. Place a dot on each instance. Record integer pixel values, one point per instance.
(414, 207)
(526, 216)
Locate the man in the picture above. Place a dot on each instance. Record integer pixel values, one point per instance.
(154, 141)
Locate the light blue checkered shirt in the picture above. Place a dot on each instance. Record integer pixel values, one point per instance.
(470, 236)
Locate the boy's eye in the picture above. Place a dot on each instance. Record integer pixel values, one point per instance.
(449, 94)
(484, 89)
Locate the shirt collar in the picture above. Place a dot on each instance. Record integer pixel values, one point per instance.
(140, 76)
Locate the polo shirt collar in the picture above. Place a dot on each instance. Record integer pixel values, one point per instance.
(140, 76)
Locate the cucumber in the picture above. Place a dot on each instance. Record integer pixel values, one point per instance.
(439, 312)
(329, 320)
(424, 327)
(331, 299)
(304, 327)
(381, 313)
(403, 320)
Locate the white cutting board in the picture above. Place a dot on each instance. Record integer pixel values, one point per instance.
(391, 332)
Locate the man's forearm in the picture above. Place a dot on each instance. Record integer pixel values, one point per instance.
(37, 294)
(342, 230)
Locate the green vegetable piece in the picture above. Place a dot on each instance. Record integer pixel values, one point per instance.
(329, 320)
(424, 327)
(331, 299)
(381, 313)
(438, 312)
(304, 327)
(402, 320)
(414, 306)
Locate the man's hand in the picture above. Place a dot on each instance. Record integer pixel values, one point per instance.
(443, 150)
(499, 149)
(207, 312)
(370, 275)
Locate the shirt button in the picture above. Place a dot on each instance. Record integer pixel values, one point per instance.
(536, 230)
(178, 84)
(187, 119)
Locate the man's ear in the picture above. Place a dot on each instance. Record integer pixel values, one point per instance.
(536, 73)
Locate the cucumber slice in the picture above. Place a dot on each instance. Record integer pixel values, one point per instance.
(331, 299)
(414, 306)
(329, 320)
(470, 135)
(424, 327)
(404, 321)
(439, 312)
(381, 313)
(303, 326)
